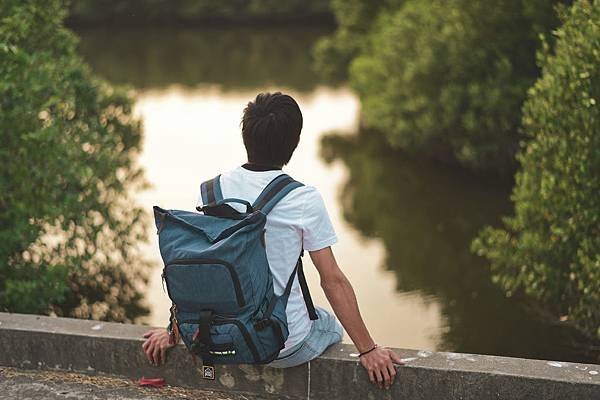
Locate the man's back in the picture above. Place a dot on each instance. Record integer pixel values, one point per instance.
(299, 220)
(271, 126)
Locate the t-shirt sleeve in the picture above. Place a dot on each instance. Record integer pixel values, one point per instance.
(317, 230)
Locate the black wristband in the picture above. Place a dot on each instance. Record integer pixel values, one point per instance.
(368, 351)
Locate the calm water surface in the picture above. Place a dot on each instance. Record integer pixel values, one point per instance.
(404, 225)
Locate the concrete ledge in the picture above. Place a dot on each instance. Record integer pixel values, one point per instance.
(37, 342)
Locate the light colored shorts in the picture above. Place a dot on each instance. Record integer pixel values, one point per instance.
(324, 332)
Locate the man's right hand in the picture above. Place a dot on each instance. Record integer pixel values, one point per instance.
(155, 346)
(380, 365)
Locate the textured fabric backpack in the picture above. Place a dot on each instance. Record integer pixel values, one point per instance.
(219, 281)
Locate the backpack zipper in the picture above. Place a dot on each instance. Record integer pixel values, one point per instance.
(234, 276)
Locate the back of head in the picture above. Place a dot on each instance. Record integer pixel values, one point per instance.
(271, 127)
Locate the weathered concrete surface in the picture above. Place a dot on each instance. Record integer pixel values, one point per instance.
(30, 341)
(65, 344)
(429, 375)
(50, 385)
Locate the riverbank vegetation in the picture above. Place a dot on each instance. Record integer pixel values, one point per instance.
(458, 81)
(443, 78)
(69, 232)
(550, 248)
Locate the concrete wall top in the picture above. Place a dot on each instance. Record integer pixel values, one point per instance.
(31, 341)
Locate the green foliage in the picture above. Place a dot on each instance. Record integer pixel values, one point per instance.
(68, 231)
(446, 78)
(355, 19)
(551, 247)
(94, 10)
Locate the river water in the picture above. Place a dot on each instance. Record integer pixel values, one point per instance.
(404, 225)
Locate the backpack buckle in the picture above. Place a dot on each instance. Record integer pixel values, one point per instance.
(262, 324)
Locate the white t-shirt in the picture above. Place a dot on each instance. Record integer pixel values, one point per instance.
(299, 219)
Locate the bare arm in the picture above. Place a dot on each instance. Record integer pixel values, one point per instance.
(339, 292)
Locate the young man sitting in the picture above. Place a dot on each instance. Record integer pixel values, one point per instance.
(271, 126)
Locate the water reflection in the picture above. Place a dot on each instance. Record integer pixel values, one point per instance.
(426, 215)
(233, 57)
(180, 121)
(414, 218)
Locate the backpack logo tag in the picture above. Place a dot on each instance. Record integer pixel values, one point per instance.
(208, 372)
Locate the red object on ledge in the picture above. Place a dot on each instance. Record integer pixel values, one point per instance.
(152, 382)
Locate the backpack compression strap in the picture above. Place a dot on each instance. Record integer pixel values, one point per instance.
(211, 190)
(276, 190)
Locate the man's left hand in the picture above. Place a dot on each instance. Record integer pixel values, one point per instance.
(380, 365)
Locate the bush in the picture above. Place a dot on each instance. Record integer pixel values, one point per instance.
(355, 20)
(446, 78)
(551, 247)
(68, 231)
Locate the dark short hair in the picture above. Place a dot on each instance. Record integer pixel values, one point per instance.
(271, 127)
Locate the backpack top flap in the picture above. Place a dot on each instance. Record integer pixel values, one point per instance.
(214, 228)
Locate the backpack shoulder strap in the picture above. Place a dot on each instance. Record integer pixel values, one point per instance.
(310, 307)
(276, 190)
(269, 197)
(211, 190)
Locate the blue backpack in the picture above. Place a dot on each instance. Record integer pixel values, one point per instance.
(219, 281)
